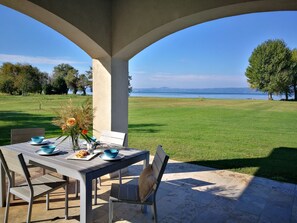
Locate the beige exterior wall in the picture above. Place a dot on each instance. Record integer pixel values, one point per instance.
(102, 95)
(110, 95)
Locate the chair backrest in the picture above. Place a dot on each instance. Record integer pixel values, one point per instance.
(112, 137)
(14, 161)
(159, 164)
(24, 135)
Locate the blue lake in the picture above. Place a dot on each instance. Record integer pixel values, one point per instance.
(195, 94)
(257, 96)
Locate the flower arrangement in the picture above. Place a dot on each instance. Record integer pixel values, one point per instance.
(75, 121)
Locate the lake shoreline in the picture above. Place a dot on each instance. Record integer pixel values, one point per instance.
(228, 96)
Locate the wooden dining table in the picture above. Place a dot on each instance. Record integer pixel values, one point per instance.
(83, 170)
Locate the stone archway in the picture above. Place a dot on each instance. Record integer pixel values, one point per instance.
(113, 31)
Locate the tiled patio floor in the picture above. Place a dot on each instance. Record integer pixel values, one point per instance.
(188, 193)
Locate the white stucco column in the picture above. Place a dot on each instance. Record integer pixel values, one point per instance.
(110, 95)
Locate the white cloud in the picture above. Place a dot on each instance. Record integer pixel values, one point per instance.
(35, 60)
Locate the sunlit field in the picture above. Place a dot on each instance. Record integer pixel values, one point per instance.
(249, 136)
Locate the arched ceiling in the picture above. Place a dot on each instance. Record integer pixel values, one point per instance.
(122, 28)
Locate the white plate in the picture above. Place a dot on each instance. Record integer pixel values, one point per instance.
(44, 142)
(88, 157)
(106, 158)
(41, 153)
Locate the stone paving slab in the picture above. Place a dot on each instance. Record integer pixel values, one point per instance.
(188, 193)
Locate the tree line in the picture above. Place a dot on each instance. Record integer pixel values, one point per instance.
(21, 79)
(273, 69)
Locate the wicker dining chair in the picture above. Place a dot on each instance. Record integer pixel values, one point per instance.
(145, 192)
(32, 189)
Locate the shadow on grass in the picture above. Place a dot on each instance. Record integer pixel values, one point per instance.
(145, 128)
(16, 119)
(280, 165)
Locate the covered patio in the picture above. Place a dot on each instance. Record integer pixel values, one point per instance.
(112, 32)
(188, 193)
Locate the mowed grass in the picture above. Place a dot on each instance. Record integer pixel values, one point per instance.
(249, 136)
(31, 111)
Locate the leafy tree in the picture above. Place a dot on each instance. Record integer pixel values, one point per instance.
(294, 73)
(7, 75)
(72, 80)
(44, 78)
(48, 89)
(7, 86)
(69, 75)
(29, 79)
(269, 68)
(20, 78)
(129, 84)
(83, 83)
(59, 85)
(89, 75)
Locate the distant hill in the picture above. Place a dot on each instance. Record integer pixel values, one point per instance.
(197, 90)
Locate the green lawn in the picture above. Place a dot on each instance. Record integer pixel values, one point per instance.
(248, 136)
(31, 111)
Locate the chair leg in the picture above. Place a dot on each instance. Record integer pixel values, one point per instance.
(154, 210)
(29, 210)
(144, 208)
(66, 201)
(96, 189)
(43, 171)
(76, 188)
(66, 196)
(13, 182)
(7, 207)
(110, 214)
(47, 202)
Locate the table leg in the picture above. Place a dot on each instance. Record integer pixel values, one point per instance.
(86, 200)
(2, 186)
(146, 162)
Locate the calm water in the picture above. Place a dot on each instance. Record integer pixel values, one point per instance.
(257, 96)
(249, 96)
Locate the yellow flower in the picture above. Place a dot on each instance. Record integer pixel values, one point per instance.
(71, 121)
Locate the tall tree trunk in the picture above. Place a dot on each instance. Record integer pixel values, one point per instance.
(295, 92)
(270, 96)
(287, 96)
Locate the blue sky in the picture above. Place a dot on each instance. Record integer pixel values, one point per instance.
(212, 54)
